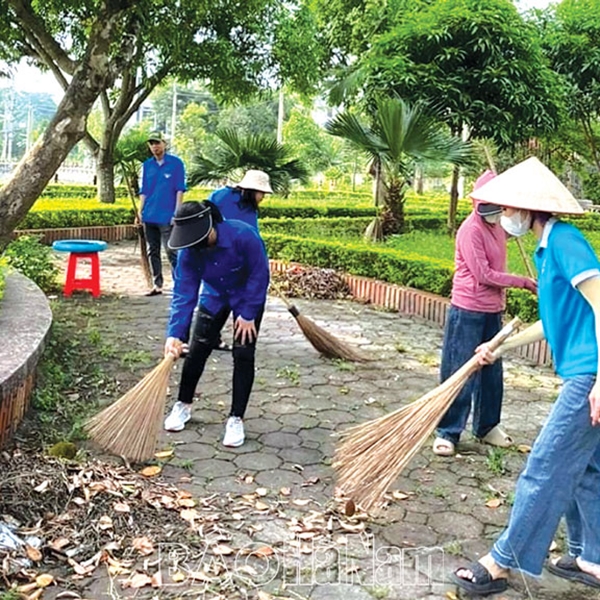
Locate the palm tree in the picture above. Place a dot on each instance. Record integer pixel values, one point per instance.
(238, 153)
(401, 136)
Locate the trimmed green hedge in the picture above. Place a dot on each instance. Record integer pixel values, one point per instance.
(56, 219)
(320, 228)
(2, 276)
(401, 268)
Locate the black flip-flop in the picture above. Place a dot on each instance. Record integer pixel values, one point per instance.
(482, 583)
(153, 292)
(567, 568)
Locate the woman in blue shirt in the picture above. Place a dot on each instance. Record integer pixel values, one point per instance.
(562, 474)
(230, 257)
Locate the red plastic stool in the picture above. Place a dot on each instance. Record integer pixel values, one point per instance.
(81, 250)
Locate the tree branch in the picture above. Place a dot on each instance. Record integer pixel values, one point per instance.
(37, 31)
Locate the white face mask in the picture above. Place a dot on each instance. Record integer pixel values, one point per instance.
(517, 224)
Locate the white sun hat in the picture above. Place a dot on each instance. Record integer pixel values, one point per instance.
(256, 180)
(529, 185)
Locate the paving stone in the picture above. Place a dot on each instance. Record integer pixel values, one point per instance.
(257, 461)
(446, 524)
(212, 468)
(281, 440)
(275, 480)
(299, 421)
(301, 456)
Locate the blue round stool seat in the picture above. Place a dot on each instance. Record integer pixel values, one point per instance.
(79, 246)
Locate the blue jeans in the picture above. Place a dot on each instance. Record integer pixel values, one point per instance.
(465, 330)
(561, 478)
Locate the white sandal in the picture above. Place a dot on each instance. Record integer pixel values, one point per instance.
(443, 447)
(497, 437)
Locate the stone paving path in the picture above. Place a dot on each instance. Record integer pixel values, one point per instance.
(300, 399)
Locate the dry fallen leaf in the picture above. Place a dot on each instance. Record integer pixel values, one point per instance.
(137, 580)
(524, 448)
(186, 502)
(451, 596)
(27, 587)
(33, 553)
(264, 551)
(302, 501)
(261, 505)
(189, 514)
(42, 487)
(143, 545)
(222, 550)
(164, 454)
(264, 596)
(262, 491)
(121, 507)
(36, 595)
(156, 580)
(59, 543)
(200, 576)
(44, 580)
(494, 503)
(350, 508)
(285, 491)
(105, 522)
(151, 471)
(397, 495)
(178, 577)
(249, 479)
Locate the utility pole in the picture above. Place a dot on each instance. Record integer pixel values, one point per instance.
(280, 116)
(29, 129)
(174, 115)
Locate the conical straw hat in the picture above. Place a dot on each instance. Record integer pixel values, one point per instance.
(531, 186)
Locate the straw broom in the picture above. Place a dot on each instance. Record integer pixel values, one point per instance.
(129, 427)
(372, 455)
(322, 341)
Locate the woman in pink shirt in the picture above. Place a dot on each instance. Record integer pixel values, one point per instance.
(475, 316)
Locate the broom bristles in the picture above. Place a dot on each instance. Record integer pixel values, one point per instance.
(325, 343)
(130, 426)
(372, 455)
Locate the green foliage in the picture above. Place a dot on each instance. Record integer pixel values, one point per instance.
(54, 219)
(237, 153)
(400, 136)
(77, 191)
(478, 61)
(3, 266)
(27, 255)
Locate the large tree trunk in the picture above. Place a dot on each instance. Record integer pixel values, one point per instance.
(67, 127)
(106, 175)
(453, 201)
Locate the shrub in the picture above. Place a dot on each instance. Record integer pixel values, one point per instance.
(27, 255)
(2, 276)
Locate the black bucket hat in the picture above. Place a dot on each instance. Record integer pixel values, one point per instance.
(191, 225)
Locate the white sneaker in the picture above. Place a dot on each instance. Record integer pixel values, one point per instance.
(234, 432)
(180, 414)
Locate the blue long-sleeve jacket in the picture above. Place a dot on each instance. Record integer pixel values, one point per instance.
(228, 199)
(237, 268)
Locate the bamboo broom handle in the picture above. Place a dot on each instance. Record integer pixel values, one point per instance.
(525, 258)
(278, 291)
(494, 343)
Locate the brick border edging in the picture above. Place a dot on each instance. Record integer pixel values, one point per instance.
(26, 321)
(409, 301)
(107, 233)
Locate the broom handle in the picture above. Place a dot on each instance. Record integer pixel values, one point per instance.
(473, 363)
(525, 259)
(278, 291)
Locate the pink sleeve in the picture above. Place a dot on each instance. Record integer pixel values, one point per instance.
(477, 261)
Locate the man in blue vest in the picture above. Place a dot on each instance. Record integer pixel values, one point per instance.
(163, 185)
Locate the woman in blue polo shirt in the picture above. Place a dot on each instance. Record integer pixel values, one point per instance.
(562, 474)
(230, 257)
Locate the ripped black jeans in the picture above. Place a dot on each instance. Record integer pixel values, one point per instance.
(206, 332)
